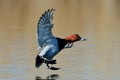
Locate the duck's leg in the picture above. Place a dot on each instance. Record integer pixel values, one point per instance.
(48, 65)
(50, 61)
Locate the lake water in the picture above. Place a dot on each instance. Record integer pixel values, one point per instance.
(97, 58)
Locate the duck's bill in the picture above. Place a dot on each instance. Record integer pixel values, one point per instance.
(82, 39)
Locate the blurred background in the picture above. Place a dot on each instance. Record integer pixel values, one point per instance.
(96, 20)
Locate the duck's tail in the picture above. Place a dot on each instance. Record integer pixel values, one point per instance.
(39, 61)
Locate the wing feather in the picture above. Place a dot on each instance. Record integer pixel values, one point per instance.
(44, 27)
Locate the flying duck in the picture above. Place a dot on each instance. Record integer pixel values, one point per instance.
(49, 45)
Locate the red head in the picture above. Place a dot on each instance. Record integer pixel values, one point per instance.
(74, 38)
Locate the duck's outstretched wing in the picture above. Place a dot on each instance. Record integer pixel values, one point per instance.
(45, 26)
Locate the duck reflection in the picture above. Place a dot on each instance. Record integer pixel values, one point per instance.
(50, 77)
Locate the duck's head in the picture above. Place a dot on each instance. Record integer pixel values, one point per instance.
(74, 38)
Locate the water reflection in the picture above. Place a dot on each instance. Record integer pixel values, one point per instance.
(50, 77)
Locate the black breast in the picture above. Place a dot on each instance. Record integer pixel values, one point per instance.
(61, 43)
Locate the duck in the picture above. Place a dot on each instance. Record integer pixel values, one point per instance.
(50, 45)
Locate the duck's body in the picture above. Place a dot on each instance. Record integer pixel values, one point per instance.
(49, 45)
(50, 50)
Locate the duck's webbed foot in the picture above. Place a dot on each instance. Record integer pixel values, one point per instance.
(52, 68)
(48, 62)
